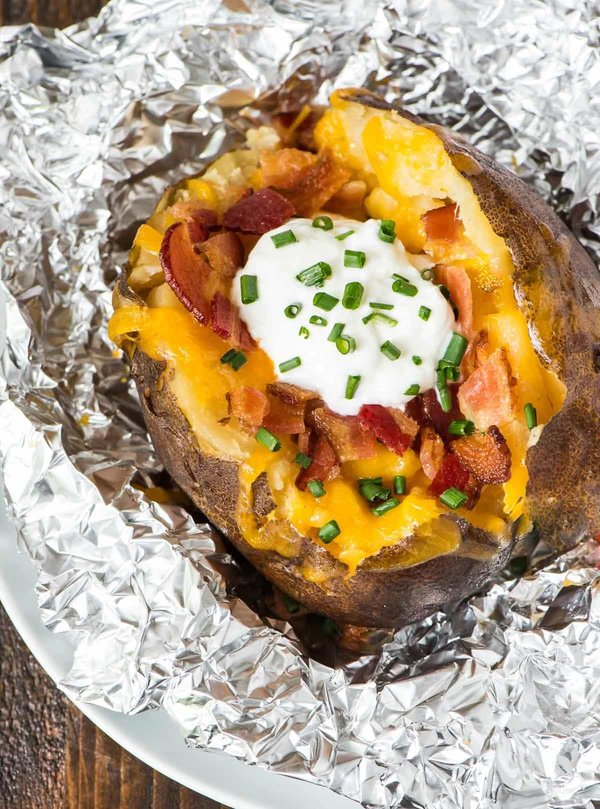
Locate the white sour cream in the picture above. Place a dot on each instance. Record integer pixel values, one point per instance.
(322, 367)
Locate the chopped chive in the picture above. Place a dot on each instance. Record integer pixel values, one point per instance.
(403, 286)
(303, 460)
(322, 222)
(373, 491)
(267, 439)
(351, 386)
(387, 230)
(444, 396)
(399, 484)
(424, 312)
(290, 604)
(376, 305)
(325, 301)
(416, 359)
(412, 390)
(461, 427)
(353, 293)
(530, 416)
(383, 508)
(379, 317)
(281, 239)
(354, 258)
(329, 531)
(316, 488)
(303, 332)
(456, 349)
(452, 373)
(316, 320)
(336, 332)
(249, 288)
(315, 274)
(289, 365)
(345, 344)
(235, 359)
(293, 310)
(378, 481)
(389, 350)
(345, 235)
(453, 497)
(427, 274)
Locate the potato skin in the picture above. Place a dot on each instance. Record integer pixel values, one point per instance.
(559, 284)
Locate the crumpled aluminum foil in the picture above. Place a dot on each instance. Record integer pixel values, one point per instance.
(496, 703)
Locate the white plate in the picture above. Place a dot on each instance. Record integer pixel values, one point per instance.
(152, 736)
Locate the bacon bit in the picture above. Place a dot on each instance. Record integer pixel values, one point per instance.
(384, 427)
(457, 281)
(249, 405)
(426, 410)
(318, 184)
(200, 221)
(486, 455)
(187, 272)
(349, 200)
(443, 223)
(476, 354)
(291, 394)
(487, 396)
(451, 473)
(259, 212)
(324, 464)
(225, 254)
(304, 441)
(284, 418)
(349, 439)
(432, 452)
(225, 321)
(407, 425)
(285, 167)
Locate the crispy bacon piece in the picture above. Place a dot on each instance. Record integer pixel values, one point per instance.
(225, 254)
(259, 212)
(381, 422)
(450, 474)
(318, 184)
(427, 411)
(250, 405)
(432, 452)
(406, 424)
(292, 394)
(200, 221)
(304, 442)
(485, 455)
(476, 354)
(324, 464)
(187, 272)
(457, 281)
(226, 322)
(284, 418)
(443, 223)
(487, 396)
(349, 439)
(285, 167)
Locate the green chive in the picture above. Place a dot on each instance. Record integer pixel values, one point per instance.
(403, 286)
(345, 235)
(442, 388)
(228, 355)
(351, 386)
(383, 508)
(427, 274)
(281, 239)
(303, 332)
(336, 332)
(267, 439)
(424, 312)
(461, 427)
(293, 310)
(412, 390)
(456, 349)
(249, 288)
(329, 531)
(288, 365)
(378, 481)
(353, 293)
(316, 320)
(376, 305)
(325, 301)
(387, 230)
(234, 358)
(417, 360)
(315, 274)
(400, 484)
(390, 350)
(345, 344)
(354, 258)
(303, 460)
(452, 373)
(290, 604)
(322, 222)
(530, 416)
(316, 488)
(379, 317)
(453, 497)
(373, 491)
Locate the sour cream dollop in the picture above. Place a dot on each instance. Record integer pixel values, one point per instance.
(418, 326)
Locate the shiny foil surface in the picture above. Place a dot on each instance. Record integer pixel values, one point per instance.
(495, 704)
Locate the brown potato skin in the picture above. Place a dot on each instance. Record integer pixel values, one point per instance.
(560, 288)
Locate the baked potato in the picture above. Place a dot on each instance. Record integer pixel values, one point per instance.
(370, 503)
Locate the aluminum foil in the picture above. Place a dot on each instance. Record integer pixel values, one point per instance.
(495, 703)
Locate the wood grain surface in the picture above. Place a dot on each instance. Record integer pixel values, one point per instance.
(51, 756)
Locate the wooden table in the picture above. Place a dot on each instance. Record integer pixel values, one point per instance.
(51, 756)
